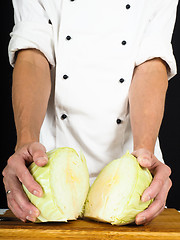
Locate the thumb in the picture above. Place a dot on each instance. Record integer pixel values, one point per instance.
(144, 157)
(38, 153)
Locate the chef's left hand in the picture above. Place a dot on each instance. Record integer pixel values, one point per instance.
(159, 188)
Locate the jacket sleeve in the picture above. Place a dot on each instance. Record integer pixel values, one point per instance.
(156, 41)
(31, 30)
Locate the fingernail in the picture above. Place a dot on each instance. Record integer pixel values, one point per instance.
(30, 212)
(144, 161)
(42, 160)
(145, 198)
(34, 213)
(31, 219)
(37, 193)
(141, 220)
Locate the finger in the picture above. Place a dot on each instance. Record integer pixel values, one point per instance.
(21, 198)
(159, 212)
(144, 157)
(160, 171)
(17, 195)
(156, 207)
(150, 213)
(16, 209)
(18, 212)
(161, 174)
(38, 153)
(24, 176)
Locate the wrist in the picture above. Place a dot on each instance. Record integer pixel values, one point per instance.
(149, 147)
(25, 137)
(144, 140)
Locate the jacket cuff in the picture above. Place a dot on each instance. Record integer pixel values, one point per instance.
(150, 49)
(29, 35)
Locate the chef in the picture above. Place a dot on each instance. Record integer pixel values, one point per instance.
(91, 75)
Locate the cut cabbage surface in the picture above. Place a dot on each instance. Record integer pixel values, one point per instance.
(115, 195)
(65, 184)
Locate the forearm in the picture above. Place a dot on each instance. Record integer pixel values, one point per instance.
(30, 94)
(147, 98)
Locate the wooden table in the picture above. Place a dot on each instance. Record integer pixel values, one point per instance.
(165, 226)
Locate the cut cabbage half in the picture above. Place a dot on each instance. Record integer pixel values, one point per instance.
(115, 195)
(65, 183)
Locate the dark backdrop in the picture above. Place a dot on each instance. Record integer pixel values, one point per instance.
(169, 132)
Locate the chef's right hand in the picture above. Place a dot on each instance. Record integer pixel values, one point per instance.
(16, 172)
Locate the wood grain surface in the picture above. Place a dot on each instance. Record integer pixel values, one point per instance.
(165, 226)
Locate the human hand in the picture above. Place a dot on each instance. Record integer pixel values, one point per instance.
(16, 172)
(159, 188)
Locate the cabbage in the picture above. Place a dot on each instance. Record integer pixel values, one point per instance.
(65, 183)
(115, 195)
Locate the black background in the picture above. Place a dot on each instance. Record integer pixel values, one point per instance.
(169, 132)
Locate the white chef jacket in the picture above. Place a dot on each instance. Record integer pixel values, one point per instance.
(93, 47)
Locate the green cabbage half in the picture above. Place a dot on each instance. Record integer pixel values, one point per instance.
(65, 183)
(115, 195)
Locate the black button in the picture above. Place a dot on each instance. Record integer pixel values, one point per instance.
(128, 6)
(49, 21)
(124, 42)
(121, 80)
(118, 121)
(68, 38)
(72, 0)
(64, 116)
(65, 76)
